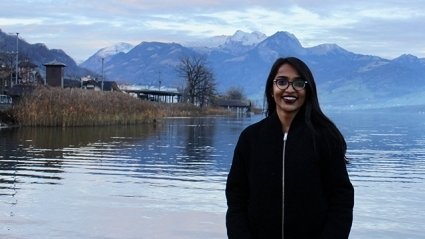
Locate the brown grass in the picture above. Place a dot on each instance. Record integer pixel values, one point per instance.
(50, 106)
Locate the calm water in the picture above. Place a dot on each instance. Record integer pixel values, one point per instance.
(167, 181)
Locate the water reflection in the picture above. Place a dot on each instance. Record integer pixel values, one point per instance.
(186, 154)
(180, 165)
(39, 154)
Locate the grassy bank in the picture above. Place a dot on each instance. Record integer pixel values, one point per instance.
(49, 106)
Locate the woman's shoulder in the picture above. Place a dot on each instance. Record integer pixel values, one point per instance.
(250, 129)
(264, 123)
(266, 127)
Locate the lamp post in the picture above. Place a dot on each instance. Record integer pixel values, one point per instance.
(10, 65)
(102, 72)
(17, 54)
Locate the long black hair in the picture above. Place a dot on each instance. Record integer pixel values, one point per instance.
(313, 114)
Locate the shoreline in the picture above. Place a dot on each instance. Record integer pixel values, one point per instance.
(56, 107)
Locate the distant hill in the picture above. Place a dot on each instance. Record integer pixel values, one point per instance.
(95, 61)
(345, 79)
(39, 54)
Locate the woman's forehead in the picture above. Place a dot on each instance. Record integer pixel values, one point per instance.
(287, 70)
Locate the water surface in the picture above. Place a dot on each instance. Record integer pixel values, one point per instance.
(167, 180)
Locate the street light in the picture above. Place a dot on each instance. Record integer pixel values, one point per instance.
(102, 72)
(17, 53)
(10, 65)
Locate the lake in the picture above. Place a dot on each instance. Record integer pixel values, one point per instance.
(167, 180)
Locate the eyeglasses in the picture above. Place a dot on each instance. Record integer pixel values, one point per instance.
(283, 83)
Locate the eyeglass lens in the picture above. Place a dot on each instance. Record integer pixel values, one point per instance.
(284, 84)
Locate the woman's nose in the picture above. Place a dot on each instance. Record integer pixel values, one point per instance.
(290, 87)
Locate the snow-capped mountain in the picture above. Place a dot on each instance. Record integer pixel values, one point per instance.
(246, 39)
(344, 79)
(114, 49)
(240, 37)
(148, 63)
(323, 49)
(95, 62)
(241, 42)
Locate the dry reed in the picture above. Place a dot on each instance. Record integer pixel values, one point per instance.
(51, 106)
(48, 106)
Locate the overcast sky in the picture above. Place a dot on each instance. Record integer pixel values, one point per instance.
(386, 28)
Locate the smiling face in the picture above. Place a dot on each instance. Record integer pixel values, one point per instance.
(288, 101)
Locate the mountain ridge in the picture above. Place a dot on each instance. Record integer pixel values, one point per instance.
(39, 54)
(339, 73)
(344, 79)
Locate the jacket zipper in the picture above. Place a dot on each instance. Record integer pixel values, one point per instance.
(285, 137)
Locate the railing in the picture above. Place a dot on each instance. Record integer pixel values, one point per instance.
(163, 94)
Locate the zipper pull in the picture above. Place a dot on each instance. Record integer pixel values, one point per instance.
(285, 136)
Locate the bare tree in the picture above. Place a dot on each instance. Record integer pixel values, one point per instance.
(235, 93)
(200, 83)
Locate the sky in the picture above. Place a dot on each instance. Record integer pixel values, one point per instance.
(385, 28)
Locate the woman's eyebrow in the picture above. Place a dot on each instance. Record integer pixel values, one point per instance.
(287, 78)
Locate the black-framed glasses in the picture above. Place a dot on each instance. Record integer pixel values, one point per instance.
(283, 83)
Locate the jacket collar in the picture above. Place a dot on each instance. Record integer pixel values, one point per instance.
(274, 121)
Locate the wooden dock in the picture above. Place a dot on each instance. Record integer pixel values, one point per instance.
(156, 95)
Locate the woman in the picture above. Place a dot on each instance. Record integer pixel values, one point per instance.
(288, 177)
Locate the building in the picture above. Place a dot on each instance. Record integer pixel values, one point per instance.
(239, 106)
(92, 84)
(55, 73)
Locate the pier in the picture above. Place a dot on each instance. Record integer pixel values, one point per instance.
(158, 95)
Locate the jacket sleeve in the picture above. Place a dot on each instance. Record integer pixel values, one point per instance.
(237, 193)
(340, 195)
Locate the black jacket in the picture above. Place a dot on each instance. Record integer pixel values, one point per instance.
(318, 195)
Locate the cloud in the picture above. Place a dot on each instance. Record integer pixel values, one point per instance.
(384, 28)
